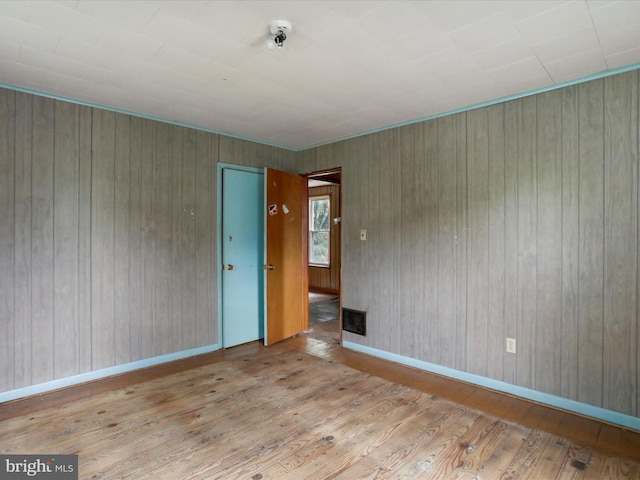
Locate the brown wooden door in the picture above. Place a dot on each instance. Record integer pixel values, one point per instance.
(286, 277)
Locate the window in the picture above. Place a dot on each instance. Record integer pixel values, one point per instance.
(319, 216)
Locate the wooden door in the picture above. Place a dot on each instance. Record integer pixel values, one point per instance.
(286, 280)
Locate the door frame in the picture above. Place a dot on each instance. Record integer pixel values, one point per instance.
(218, 236)
(332, 174)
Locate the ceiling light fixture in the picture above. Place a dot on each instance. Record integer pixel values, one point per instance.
(279, 29)
(280, 38)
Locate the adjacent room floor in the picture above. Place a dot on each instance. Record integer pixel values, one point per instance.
(324, 310)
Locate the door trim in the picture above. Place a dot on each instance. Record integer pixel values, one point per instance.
(222, 166)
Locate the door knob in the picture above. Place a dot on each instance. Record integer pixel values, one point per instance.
(227, 267)
(269, 267)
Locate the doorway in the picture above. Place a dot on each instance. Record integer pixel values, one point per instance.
(325, 255)
(262, 255)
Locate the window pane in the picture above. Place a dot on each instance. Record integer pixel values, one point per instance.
(319, 251)
(320, 214)
(319, 223)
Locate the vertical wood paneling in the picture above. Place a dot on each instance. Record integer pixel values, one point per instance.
(356, 152)
(23, 332)
(205, 331)
(326, 157)
(591, 213)
(7, 238)
(42, 293)
(570, 243)
(251, 154)
(386, 236)
(107, 250)
(216, 335)
(377, 305)
(446, 200)
(496, 246)
(426, 147)
(394, 221)
(410, 233)
(478, 247)
(102, 244)
(527, 245)
(214, 149)
(425, 243)
(162, 252)
(177, 215)
(214, 140)
(306, 161)
(135, 239)
(189, 173)
(637, 130)
(84, 239)
(620, 242)
(148, 242)
(351, 223)
(549, 230)
(510, 328)
(461, 240)
(122, 255)
(66, 230)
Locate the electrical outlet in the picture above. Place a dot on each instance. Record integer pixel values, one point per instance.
(363, 234)
(511, 345)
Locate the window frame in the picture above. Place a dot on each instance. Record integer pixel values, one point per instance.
(311, 231)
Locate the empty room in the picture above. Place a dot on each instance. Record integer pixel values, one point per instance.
(319, 239)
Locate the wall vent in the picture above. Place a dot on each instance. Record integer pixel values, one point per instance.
(354, 321)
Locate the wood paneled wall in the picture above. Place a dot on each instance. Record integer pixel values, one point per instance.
(519, 219)
(327, 279)
(107, 236)
(514, 220)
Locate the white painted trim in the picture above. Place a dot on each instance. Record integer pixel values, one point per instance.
(599, 413)
(102, 373)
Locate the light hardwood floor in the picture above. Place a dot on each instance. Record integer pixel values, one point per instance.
(307, 409)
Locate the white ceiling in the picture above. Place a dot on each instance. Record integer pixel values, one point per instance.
(348, 67)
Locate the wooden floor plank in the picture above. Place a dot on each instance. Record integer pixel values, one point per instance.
(314, 427)
(301, 410)
(273, 435)
(497, 448)
(356, 436)
(423, 438)
(241, 418)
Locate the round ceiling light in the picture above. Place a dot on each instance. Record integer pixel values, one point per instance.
(279, 29)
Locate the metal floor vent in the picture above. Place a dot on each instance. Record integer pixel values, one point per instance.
(354, 321)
